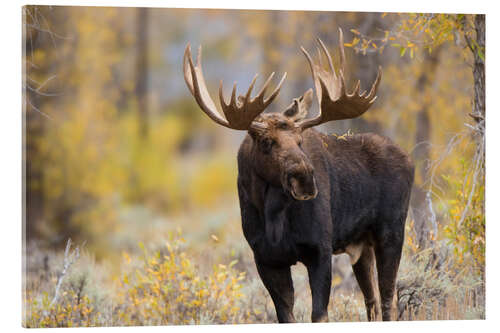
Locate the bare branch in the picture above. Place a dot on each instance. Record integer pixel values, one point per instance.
(477, 168)
(69, 259)
(37, 110)
(428, 200)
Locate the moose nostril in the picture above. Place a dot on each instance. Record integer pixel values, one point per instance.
(292, 180)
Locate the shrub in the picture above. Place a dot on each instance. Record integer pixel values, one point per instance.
(428, 286)
(466, 227)
(72, 310)
(66, 295)
(167, 289)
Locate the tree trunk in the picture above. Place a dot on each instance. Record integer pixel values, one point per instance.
(421, 201)
(33, 130)
(479, 109)
(142, 67)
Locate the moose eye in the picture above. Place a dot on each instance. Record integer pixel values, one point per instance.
(299, 140)
(266, 145)
(282, 125)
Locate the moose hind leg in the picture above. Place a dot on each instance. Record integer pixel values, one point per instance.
(279, 284)
(364, 270)
(388, 255)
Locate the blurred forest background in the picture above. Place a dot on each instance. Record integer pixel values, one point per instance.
(131, 210)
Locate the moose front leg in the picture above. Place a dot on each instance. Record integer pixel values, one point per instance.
(279, 284)
(320, 281)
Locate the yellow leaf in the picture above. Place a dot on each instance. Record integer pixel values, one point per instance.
(336, 280)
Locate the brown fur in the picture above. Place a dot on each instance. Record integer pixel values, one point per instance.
(305, 195)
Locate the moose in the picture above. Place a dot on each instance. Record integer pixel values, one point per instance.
(305, 195)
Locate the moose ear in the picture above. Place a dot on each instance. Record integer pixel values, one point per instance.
(307, 99)
(300, 106)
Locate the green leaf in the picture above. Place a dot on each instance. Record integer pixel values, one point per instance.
(480, 53)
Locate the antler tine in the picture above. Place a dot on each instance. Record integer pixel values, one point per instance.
(233, 97)
(249, 92)
(328, 56)
(373, 91)
(309, 60)
(343, 89)
(276, 91)
(196, 84)
(222, 100)
(244, 112)
(334, 100)
(314, 74)
(239, 112)
(262, 92)
(187, 68)
(320, 62)
(198, 57)
(341, 50)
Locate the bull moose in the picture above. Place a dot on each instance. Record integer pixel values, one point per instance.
(305, 195)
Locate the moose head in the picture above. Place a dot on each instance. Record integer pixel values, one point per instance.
(277, 137)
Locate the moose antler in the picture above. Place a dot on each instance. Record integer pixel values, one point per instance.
(335, 103)
(240, 113)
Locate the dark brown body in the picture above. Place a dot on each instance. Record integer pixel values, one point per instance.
(363, 183)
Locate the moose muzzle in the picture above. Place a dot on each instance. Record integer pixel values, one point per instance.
(299, 180)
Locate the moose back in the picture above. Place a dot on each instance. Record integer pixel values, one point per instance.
(305, 195)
